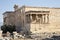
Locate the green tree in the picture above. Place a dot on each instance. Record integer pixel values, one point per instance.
(11, 29)
(4, 30)
(8, 28)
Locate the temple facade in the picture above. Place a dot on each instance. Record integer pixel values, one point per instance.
(34, 19)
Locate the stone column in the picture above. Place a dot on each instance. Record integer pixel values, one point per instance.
(28, 17)
(31, 17)
(37, 16)
(42, 18)
(46, 18)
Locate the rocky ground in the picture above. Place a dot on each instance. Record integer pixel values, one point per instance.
(41, 36)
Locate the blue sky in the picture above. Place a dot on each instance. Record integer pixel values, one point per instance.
(7, 5)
